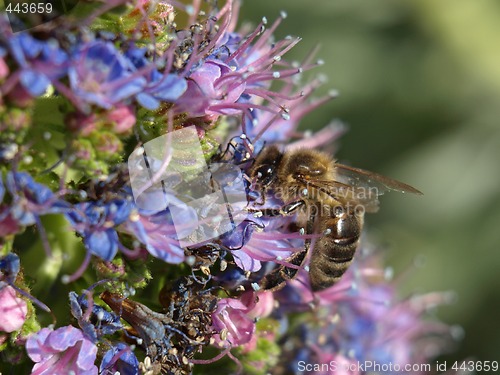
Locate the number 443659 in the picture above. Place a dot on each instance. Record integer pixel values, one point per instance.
(475, 366)
(29, 8)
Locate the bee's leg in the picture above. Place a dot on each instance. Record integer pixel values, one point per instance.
(262, 202)
(231, 145)
(277, 278)
(270, 212)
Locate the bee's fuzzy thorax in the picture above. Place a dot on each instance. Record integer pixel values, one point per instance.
(304, 164)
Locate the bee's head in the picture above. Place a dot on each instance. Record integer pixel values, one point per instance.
(265, 169)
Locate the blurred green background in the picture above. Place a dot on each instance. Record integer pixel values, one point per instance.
(420, 91)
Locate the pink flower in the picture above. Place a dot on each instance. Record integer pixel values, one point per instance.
(82, 123)
(4, 69)
(122, 117)
(232, 322)
(13, 310)
(8, 224)
(262, 308)
(264, 305)
(61, 352)
(234, 319)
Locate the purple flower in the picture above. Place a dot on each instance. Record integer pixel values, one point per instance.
(203, 92)
(41, 62)
(232, 75)
(259, 240)
(158, 234)
(13, 310)
(181, 76)
(119, 359)
(101, 75)
(96, 222)
(61, 352)
(366, 321)
(265, 247)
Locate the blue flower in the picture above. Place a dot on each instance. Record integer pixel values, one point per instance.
(2, 189)
(97, 322)
(41, 62)
(159, 87)
(101, 75)
(31, 199)
(162, 87)
(96, 222)
(9, 266)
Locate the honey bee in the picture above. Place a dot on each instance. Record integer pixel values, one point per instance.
(330, 199)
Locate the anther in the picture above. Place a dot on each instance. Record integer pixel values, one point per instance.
(100, 315)
(190, 260)
(223, 265)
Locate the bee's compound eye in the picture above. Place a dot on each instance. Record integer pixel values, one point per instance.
(265, 174)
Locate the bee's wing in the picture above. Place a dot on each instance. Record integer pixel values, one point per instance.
(370, 180)
(358, 186)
